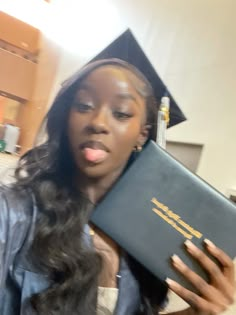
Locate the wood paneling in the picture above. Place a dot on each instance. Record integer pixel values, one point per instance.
(17, 75)
(32, 113)
(18, 33)
(2, 108)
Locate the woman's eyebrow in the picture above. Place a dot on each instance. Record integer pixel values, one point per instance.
(126, 96)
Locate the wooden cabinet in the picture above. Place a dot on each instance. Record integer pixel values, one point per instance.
(19, 34)
(17, 75)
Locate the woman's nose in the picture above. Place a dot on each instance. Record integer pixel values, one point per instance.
(99, 121)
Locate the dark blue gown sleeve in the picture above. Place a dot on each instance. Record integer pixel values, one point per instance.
(14, 224)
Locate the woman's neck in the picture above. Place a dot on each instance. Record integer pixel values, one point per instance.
(96, 188)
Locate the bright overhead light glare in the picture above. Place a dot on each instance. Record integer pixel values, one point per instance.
(28, 11)
(80, 26)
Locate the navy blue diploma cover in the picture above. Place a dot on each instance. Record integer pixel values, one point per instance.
(156, 205)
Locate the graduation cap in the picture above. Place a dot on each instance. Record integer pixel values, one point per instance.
(126, 48)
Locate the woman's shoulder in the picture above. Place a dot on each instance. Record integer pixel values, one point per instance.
(17, 222)
(18, 205)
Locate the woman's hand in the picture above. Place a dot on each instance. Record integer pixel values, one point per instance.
(214, 297)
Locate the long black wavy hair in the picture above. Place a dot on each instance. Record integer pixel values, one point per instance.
(58, 249)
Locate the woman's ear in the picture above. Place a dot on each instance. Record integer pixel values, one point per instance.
(144, 135)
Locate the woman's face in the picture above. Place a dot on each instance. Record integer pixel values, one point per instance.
(106, 121)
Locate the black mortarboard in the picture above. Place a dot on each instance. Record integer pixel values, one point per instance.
(126, 47)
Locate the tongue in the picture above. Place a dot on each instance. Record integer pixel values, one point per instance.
(94, 155)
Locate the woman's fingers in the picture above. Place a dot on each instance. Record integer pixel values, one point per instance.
(204, 289)
(225, 261)
(215, 296)
(217, 276)
(195, 301)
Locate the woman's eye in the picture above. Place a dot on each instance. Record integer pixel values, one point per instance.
(122, 115)
(82, 107)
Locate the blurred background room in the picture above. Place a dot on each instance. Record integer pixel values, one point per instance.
(191, 44)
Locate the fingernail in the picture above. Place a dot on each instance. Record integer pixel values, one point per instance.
(176, 259)
(209, 243)
(190, 245)
(171, 282)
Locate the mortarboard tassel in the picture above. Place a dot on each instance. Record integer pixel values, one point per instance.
(163, 121)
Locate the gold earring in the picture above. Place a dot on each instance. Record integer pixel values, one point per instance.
(138, 148)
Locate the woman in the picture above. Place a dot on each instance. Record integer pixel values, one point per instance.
(52, 260)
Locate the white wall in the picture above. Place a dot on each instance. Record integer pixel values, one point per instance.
(192, 44)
